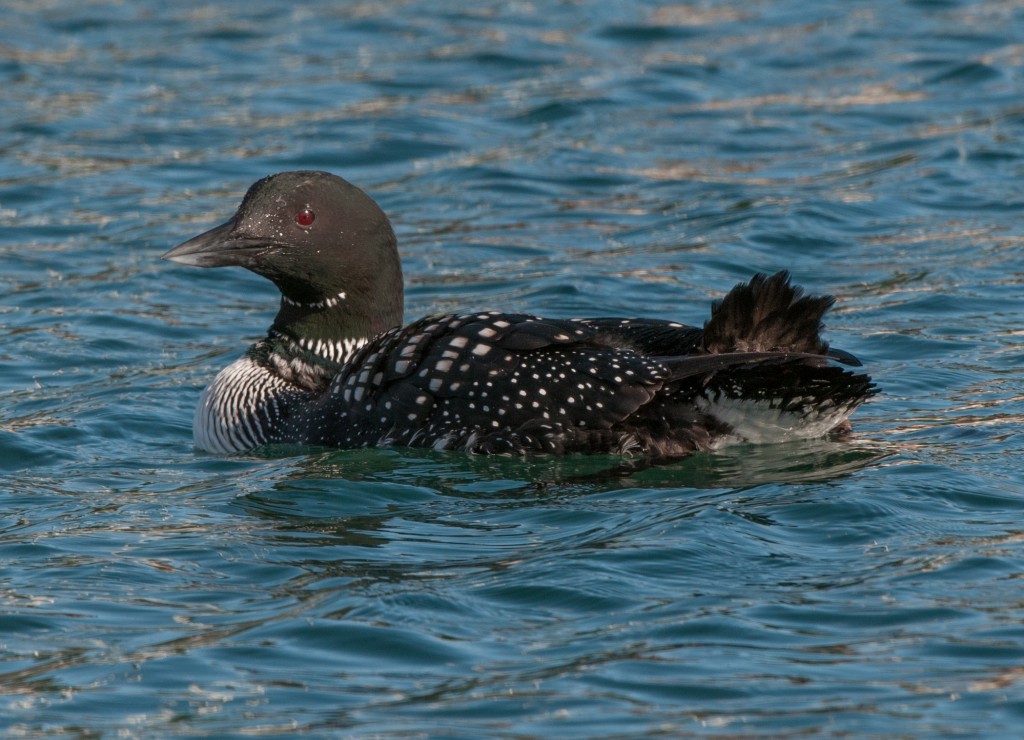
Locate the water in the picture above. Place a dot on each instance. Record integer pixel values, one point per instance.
(567, 158)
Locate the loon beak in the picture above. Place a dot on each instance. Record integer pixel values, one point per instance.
(218, 247)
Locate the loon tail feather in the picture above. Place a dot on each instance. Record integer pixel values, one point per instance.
(767, 314)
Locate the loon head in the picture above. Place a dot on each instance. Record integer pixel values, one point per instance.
(325, 244)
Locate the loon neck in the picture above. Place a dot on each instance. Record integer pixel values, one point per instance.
(328, 328)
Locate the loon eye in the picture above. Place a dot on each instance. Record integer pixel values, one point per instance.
(305, 218)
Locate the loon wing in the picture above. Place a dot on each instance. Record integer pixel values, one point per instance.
(653, 337)
(500, 382)
(692, 366)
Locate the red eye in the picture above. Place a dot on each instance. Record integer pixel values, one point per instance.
(305, 218)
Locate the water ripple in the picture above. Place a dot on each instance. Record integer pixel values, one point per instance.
(570, 159)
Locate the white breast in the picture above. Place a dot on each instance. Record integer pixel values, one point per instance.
(234, 409)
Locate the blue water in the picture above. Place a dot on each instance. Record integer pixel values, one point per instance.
(565, 158)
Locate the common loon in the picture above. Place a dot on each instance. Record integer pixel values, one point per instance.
(337, 368)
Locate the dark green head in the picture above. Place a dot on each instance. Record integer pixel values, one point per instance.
(325, 243)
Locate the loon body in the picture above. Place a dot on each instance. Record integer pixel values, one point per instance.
(337, 368)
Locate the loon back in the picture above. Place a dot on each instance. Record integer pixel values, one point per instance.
(337, 369)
